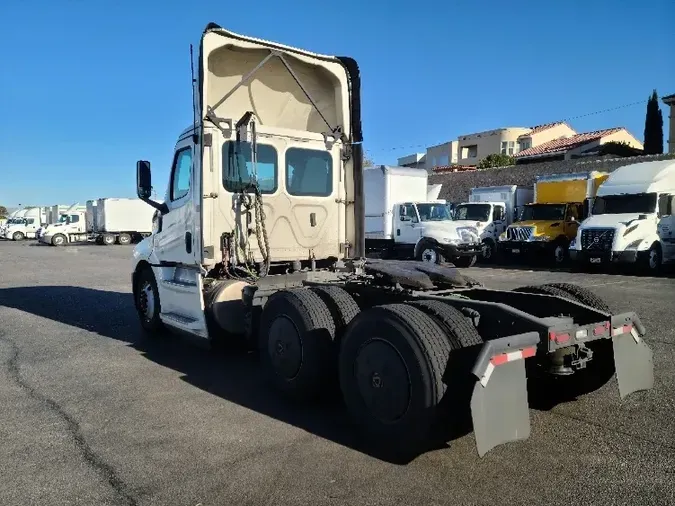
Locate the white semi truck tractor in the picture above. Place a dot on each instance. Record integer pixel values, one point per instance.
(261, 238)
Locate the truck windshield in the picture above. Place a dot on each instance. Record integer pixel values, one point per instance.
(434, 212)
(544, 212)
(63, 218)
(473, 212)
(625, 204)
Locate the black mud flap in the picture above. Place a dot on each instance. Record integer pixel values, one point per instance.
(499, 405)
(633, 359)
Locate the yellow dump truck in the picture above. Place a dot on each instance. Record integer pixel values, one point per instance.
(546, 227)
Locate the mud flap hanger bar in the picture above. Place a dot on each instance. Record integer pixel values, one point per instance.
(499, 405)
(211, 115)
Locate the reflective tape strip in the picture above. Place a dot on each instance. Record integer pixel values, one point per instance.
(503, 358)
(624, 329)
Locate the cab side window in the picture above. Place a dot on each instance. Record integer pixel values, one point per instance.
(407, 213)
(664, 205)
(74, 218)
(499, 213)
(181, 173)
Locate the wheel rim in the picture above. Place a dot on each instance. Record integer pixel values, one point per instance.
(108, 239)
(147, 301)
(124, 239)
(284, 347)
(383, 380)
(58, 240)
(559, 254)
(429, 255)
(653, 259)
(487, 251)
(18, 236)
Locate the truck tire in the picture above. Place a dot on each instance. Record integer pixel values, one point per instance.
(650, 261)
(147, 302)
(560, 251)
(489, 253)
(18, 236)
(108, 239)
(542, 290)
(59, 240)
(429, 252)
(391, 366)
(465, 262)
(295, 341)
(459, 329)
(583, 295)
(340, 303)
(124, 239)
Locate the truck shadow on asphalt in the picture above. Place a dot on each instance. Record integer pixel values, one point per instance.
(667, 271)
(232, 373)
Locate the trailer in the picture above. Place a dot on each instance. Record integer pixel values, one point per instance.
(261, 238)
(103, 221)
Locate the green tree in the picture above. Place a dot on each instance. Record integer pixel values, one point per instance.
(653, 127)
(496, 160)
(367, 161)
(3, 212)
(619, 148)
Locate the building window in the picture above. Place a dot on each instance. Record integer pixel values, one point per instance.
(524, 144)
(470, 151)
(504, 146)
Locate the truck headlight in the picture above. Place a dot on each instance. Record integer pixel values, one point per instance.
(541, 238)
(573, 243)
(502, 236)
(450, 240)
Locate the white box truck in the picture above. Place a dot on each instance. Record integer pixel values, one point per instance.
(109, 221)
(401, 221)
(490, 210)
(631, 219)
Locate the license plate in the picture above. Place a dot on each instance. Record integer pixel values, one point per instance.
(595, 260)
(515, 251)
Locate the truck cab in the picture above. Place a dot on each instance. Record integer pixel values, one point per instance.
(25, 226)
(432, 235)
(546, 227)
(261, 237)
(632, 219)
(71, 222)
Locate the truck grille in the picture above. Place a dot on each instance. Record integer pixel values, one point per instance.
(519, 233)
(598, 239)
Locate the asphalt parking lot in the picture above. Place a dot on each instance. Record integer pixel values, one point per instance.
(93, 413)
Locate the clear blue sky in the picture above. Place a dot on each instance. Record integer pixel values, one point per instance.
(89, 87)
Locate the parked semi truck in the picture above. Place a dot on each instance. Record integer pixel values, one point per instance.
(261, 237)
(25, 224)
(632, 219)
(548, 225)
(11, 219)
(490, 210)
(402, 221)
(109, 221)
(57, 217)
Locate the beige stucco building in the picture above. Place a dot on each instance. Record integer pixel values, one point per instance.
(472, 148)
(670, 101)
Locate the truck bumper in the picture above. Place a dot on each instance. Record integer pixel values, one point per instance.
(524, 247)
(499, 402)
(604, 257)
(462, 250)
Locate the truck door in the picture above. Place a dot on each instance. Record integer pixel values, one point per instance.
(175, 242)
(665, 227)
(573, 215)
(180, 281)
(498, 220)
(407, 224)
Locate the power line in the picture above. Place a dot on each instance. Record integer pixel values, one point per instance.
(415, 146)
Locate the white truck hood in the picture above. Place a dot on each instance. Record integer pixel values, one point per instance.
(451, 230)
(609, 220)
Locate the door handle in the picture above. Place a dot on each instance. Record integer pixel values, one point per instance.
(188, 242)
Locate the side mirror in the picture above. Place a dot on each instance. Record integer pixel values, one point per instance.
(144, 186)
(143, 179)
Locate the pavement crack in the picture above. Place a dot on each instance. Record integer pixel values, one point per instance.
(94, 460)
(612, 429)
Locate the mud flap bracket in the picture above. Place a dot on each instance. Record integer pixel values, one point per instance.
(499, 404)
